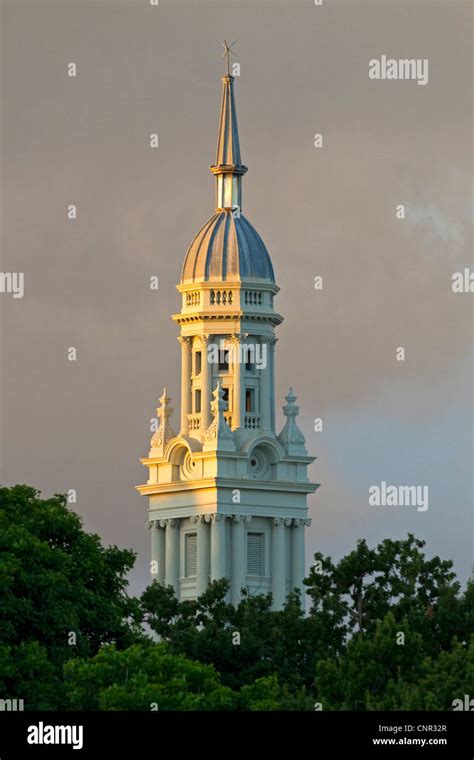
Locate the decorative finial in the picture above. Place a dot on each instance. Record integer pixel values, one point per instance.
(165, 431)
(291, 437)
(218, 435)
(227, 53)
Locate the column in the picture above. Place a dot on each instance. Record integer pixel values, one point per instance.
(297, 557)
(278, 563)
(154, 527)
(238, 411)
(186, 344)
(238, 558)
(157, 535)
(172, 554)
(272, 381)
(203, 554)
(266, 387)
(218, 558)
(161, 553)
(206, 375)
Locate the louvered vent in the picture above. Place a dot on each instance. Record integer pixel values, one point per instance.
(255, 554)
(190, 554)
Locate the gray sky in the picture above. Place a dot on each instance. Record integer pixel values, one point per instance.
(329, 212)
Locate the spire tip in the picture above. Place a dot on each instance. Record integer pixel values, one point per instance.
(227, 53)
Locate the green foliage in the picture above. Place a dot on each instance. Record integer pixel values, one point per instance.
(55, 579)
(361, 674)
(27, 673)
(355, 595)
(440, 681)
(144, 677)
(348, 653)
(266, 694)
(284, 643)
(378, 673)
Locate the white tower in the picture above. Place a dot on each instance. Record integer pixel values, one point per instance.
(227, 495)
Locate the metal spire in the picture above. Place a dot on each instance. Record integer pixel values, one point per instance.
(228, 168)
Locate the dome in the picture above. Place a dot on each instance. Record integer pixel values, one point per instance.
(227, 247)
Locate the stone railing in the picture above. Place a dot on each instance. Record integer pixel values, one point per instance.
(194, 421)
(252, 421)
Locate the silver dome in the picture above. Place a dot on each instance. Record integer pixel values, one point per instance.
(227, 248)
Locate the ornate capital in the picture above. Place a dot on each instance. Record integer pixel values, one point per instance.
(170, 522)
(205, 339)
(218, 518)
(307, 522)
(288, 522)
(153, 525)
(198, 519)
(277, 521)
(238, 338)
(185, 340)
(301, 522)
(245, 519)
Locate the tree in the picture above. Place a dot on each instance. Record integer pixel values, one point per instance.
(62, 595)
(144, 677)
(382, 673)
(266, 694)
(355, 595)
(360, 676)
(244, 643)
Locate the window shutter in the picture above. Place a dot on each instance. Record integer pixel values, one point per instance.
(190, 554)
(255, 554)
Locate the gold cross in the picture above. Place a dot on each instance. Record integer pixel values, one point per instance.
(227, 53)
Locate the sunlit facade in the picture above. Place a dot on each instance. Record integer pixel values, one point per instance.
(227, 494)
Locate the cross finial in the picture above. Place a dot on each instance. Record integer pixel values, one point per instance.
(227, 53)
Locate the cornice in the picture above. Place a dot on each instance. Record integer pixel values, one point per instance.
(256, 284)
(208, 316)
(177, 486)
